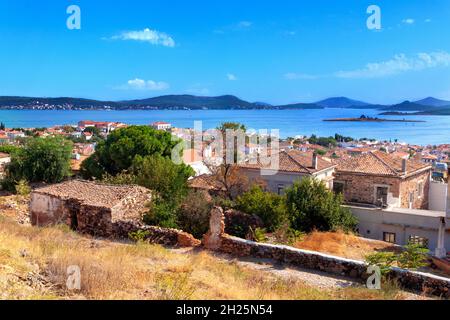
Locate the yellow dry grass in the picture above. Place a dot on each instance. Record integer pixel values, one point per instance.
(342, 245)
(34, 262)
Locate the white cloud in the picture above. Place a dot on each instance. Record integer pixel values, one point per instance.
(147, 35)
(244, 24)
(399, 64)
(144, 85)
(231, 77)
(297, 76)
(408, 21)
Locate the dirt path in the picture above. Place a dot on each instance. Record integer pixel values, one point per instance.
(315, 278)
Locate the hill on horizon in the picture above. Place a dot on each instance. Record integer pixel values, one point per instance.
(341, 102)
(205, 102)
(433, 102)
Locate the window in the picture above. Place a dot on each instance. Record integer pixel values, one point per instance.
(420, 189)
(389, 237)
(411, 200)
(281, 189)
(382, 196)
(418, 240)
(338, 187)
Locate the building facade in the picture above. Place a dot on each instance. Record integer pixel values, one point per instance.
(293, 165)
(381, 180)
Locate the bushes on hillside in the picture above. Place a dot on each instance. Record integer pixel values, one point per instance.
(311, 206)
(193, 215)
(40, 160)
(269, 207)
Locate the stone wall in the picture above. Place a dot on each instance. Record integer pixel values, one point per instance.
(411, 184)
(156, 235)
(216, 239)
(361, 188)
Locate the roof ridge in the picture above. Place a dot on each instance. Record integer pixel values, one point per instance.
(384, 162)
(309, 171)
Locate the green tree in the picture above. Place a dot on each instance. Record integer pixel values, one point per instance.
(311, 206)
(270, 207)
(161, 175)
(169, 183)
(41, 160)
(193, 215)
(2, 126)
(94, 130)
(122, 146)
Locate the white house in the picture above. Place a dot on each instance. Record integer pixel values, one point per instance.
(161, 125)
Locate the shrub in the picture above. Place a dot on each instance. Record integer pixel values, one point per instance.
(22, 188)
(161, 213)
(241, 224)
(194, 214)
(40, 160)
(383, 260)
(161, 175)
(413, 257)
(139, 235)
(259, 235)
(311, 206)
(268, 206)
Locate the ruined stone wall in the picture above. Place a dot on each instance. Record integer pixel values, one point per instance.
(156, 235)
(95, 221)
(216, 239)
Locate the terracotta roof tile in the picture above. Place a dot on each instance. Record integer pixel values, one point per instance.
(379, 163)
(295, 161)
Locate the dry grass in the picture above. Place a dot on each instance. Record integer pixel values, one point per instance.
(34, 261)
(342, 245)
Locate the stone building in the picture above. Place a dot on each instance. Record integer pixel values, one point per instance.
(88, 207)
(376, 178)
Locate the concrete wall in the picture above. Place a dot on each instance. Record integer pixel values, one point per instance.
(438, 196)
(374, 222)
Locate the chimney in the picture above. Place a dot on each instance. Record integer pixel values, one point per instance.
(315, 161)
(404, 166)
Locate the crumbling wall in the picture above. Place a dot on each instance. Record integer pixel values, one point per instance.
(46, 210)
(217, 239)
(153, 234)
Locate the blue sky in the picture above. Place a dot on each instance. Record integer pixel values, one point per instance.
(272, 51)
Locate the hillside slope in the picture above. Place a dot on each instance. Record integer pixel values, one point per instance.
(34, 262)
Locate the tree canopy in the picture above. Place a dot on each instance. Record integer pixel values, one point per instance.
(41, 160)
(311, 206)
(122, 146)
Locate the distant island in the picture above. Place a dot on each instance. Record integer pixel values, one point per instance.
(364, 118)
(428, 106)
